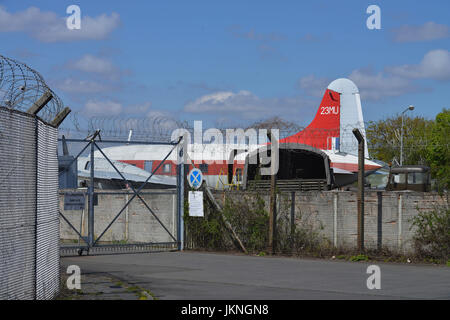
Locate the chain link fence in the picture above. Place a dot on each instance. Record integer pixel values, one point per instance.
(29, 221)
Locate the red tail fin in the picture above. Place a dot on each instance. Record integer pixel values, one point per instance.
(324, 127)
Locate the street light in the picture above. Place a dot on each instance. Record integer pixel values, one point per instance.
(410, 108)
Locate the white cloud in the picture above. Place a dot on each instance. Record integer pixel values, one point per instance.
(245, 105)
(49, 27)
(140, 108)
(96, 65)
(157, 114)
(392, 82)
(95, 108)
(113, 108)
(314, 86)
(377, 86)
(372, 86)
(90, 63)
(426, 32)
(71, 85)
(434, 65)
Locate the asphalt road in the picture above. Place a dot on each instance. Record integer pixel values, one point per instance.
(192, 275)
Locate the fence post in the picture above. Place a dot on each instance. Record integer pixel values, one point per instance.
(400, 214)
(380, 221)
(360, 238)
(181, 191)
(273, 199)
(335, 204)
(292, 213)
(91, 198)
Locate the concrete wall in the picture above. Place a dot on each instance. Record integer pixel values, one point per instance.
(387, 219)
(387, 215)
(135, 224)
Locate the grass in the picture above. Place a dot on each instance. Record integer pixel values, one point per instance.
(141, 293)
(133, 290)
(359, 257)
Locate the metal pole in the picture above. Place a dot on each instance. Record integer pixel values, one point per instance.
(410, 108)
(335, 212)
(273, 200)
(361, 194)
(91, 199)
(360, 238)
(181, 189)
(400, 214)
(292, 219)
(180, 204)
(401, 143)
(292, 213)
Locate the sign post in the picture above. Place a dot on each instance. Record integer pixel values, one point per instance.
(195, 180)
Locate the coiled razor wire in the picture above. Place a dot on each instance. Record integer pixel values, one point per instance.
(21, 86)
(158, 128)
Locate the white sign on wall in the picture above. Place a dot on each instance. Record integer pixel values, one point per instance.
(196, 204)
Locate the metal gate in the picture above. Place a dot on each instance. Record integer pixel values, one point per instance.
(128, 214)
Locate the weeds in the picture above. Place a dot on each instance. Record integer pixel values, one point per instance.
(359, 257)
(432, 237)
(250, 220)
(303, 237)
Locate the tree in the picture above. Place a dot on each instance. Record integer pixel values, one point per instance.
(383, 139)
(438, 151)
(286, 127)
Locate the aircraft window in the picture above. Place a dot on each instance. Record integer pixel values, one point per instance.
(167, 168)
(203, 167)
(148, 166)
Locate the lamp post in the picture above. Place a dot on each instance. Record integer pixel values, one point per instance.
(410, 108)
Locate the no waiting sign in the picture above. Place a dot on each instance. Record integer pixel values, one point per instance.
(195, 178)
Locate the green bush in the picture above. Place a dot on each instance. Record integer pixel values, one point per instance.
(432, 236)
(249, 218)
(205, 233)
(250, 221)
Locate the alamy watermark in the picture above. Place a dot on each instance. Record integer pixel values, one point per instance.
(373, 22)
(73, 22)
(74, 280)
(211, 147)
(374, 280)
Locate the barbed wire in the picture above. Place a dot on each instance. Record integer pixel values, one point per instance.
(157, 128)
(21, 86)
(160, 128)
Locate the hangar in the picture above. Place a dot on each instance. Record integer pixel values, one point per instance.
(301, 167)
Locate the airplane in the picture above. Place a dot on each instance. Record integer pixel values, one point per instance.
(106, 177)
(329, 133)
(77, 173)
(332, 131)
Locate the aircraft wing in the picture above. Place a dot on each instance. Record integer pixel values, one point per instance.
(342, 171)
(104, 170)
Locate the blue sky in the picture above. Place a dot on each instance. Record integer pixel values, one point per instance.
(233, 62)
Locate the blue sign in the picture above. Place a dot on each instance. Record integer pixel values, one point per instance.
(195, 178)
